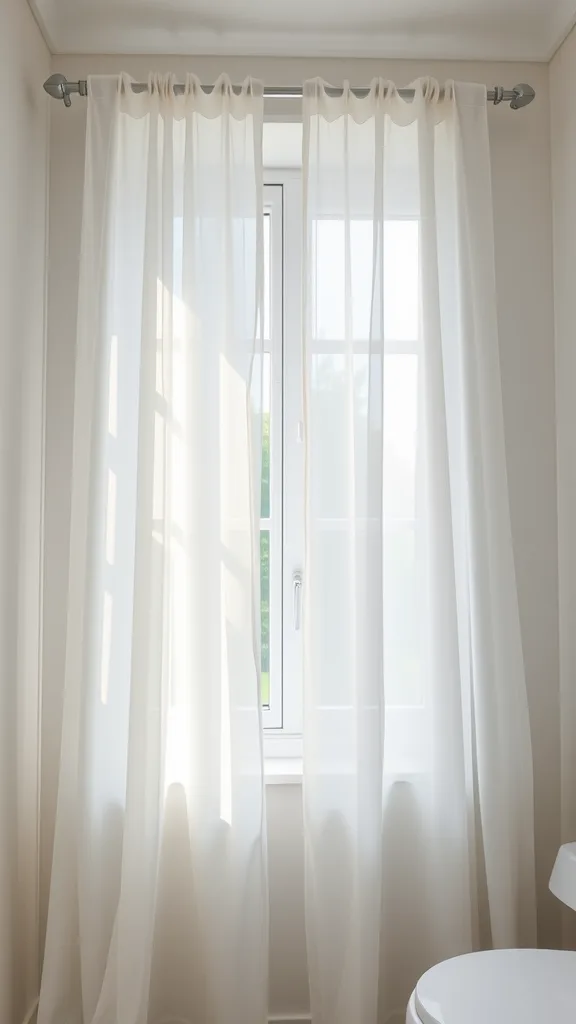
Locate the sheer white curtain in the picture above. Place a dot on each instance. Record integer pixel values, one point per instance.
(158, 905)
(417, 760)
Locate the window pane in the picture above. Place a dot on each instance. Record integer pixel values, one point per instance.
(265, 613)
(400, 279)
(269, 387)
(402, 669)
(400, 425)
(267, 276)
(265, 485)
(331, 458)
(401, 282)
(340, 385)
(330, 279)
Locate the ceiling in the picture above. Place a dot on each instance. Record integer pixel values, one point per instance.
(442, 29)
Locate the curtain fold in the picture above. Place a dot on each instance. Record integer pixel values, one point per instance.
(418, 795)
(158, 903)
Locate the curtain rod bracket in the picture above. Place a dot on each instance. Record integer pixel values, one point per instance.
(523, 95)
(59, 88)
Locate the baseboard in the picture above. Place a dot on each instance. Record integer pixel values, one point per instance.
(294, 1018)
(297, 1018)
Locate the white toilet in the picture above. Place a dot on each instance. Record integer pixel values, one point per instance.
(505, 986)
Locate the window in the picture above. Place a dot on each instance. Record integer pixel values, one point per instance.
(282, 504)
(282, 523)
(271, 505)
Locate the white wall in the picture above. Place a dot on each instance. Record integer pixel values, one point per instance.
(563, 138)
(24, 63)
(522, 196)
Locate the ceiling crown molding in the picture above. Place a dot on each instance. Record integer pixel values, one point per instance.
(116, 27)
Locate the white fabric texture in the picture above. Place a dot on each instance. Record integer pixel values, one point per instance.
(158, 901)
(418, 795)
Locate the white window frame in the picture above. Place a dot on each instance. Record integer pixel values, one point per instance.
(283, 719)
(273, 346)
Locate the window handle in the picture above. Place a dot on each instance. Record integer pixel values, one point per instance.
(297, 598)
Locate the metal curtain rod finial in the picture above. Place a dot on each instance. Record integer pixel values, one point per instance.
(60, 88)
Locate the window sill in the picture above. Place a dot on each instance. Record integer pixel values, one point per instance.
(288, 771)
(283, 771)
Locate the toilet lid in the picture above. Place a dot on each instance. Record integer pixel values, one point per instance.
(505, 986)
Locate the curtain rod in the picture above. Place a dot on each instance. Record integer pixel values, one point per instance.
(60, 88)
